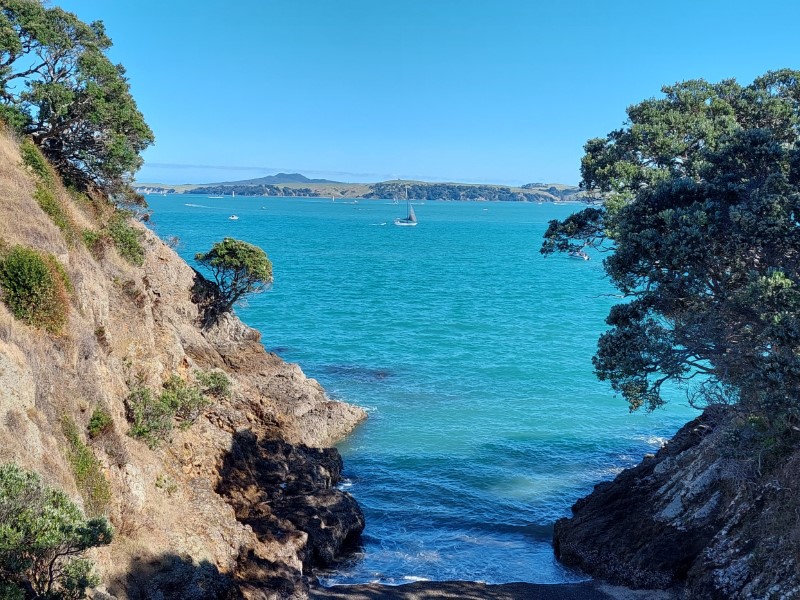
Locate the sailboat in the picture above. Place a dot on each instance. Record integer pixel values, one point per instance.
(411, 219)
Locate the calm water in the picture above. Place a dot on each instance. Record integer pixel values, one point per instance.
(470, 351)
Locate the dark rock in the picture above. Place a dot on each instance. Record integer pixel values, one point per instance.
(710, 513)
(633, 530)
(278, 488)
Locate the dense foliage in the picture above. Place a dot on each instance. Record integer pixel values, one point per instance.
(154, 417)
(42, 537)
(34, 287)
(254, 190)
(460, 192)
(58, 86)
(238, 269)
(702, 205)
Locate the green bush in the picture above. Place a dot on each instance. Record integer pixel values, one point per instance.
(35, 288)
(150, 417)
(33, 158)
(46, 194)
(127, 239)
(99, 423)
(214, 383)
(42, 537)
(186, 401)
(89, 478)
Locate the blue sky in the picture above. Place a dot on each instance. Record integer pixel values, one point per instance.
(497, 91)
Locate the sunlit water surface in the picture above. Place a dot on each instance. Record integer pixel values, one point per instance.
(472, 354)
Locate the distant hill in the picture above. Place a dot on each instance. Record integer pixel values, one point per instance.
(297, 185)
(277, 179)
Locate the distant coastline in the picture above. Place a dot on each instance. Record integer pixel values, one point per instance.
(296, 185)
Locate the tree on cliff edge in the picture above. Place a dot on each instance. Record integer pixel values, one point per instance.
(238, 269)
(701, 193)
(58, 86)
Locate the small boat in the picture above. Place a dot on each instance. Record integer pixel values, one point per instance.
(579, 254)
(411, 219)
(216, 196)
(233, 218)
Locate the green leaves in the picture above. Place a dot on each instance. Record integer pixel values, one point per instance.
(34, 287)
(239, 269)
(41, 534)
(75, 103)
(702, 190)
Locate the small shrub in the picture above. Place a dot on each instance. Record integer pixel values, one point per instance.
(150, 417)
(90, 238)
(46, 193)
(42, 538)
(127, 239)
(35, 288)
(99, 423)
(101, 335)
(33, 158)
(134, 293)
(48, 201)
(92, 483)
(214, 383)
(167, 484)
(187, 401)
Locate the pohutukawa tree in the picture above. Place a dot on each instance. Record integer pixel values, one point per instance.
(58, 86)
(701, 211)
(238, 269)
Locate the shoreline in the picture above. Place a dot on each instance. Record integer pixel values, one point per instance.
(473, 590)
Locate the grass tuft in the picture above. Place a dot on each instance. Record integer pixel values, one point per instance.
(92, 483)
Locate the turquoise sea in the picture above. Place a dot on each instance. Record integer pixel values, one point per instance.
(472, 354)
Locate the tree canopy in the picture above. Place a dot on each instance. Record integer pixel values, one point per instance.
(42, 538)
(701, 192)
(238, 269)
(58, 86)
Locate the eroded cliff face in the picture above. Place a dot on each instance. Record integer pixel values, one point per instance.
(175, 514)
(700, 515)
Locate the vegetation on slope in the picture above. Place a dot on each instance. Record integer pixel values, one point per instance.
(58, 86)
(35, 287)
(43, 536)
(239, 269)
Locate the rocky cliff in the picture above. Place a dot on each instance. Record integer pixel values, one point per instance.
(242, 502)
(710, 514)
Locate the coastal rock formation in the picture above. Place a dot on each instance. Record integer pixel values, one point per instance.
(270, 482)
(700, 514)
(177, 532)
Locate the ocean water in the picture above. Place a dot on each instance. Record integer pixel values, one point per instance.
(472, 354)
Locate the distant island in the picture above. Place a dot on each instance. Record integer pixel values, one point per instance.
(297, 185)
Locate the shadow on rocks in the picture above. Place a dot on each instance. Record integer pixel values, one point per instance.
(270, 483)
(174, 577)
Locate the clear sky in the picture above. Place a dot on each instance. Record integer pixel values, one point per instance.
(496, 91)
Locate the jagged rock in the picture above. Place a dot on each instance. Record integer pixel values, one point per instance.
(271, 483)
(697, 516)
(138, 326)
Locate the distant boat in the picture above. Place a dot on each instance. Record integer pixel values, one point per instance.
(579, 254)
(216, 196)
(411, 219)
(233, 218)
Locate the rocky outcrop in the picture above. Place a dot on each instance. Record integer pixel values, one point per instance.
(271, 482)
(699, 514)
(176, 531)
